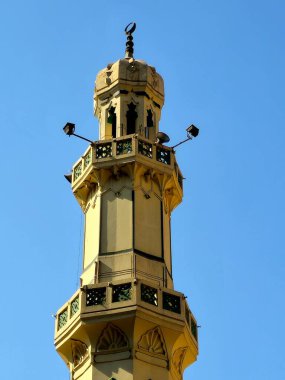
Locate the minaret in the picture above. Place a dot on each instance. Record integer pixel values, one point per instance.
(126, 321)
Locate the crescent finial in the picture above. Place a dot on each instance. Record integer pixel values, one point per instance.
(129, 29)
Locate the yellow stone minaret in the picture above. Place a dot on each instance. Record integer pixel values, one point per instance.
(126, 321)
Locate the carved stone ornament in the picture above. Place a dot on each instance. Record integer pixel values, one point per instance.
(153, 343)
(112, 338)
(79, 352)
(154, 82)
(108, 79)
(177, 359)
(154, 77)
(132, 66)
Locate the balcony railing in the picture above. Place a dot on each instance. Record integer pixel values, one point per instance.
(70, 309)
(123, 147)
(104, 297)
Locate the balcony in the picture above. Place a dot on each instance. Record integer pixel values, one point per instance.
(105, 298)
(107, 153)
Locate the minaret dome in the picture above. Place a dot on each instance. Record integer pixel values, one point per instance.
(128, 98)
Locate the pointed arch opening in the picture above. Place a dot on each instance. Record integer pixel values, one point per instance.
(112, 119)
(132, 116)
(149, 123)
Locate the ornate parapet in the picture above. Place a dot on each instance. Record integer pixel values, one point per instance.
(112, 154)
(101, 299)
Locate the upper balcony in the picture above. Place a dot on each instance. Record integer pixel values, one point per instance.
(123, 150)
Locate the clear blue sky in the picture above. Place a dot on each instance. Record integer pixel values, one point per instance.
(223, 65)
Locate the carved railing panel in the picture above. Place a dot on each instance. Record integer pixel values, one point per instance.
(149, 294)
(62, 319)
(74, 306)
(77, 171)
(171, 302)
(104, 150)
(124, 147)
(194, 329)
(87, 159)
(145, 148)
(163, 155)
(95, 296)
(122, 292)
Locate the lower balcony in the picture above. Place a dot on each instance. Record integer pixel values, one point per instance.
(106, 298)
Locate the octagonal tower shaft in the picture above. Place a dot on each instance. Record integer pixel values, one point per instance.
(126, 321)
(128, 183)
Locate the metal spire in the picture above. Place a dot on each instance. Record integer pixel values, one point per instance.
(129, 29)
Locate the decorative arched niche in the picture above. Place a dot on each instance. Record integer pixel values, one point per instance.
(112, 345)
(151, 348)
